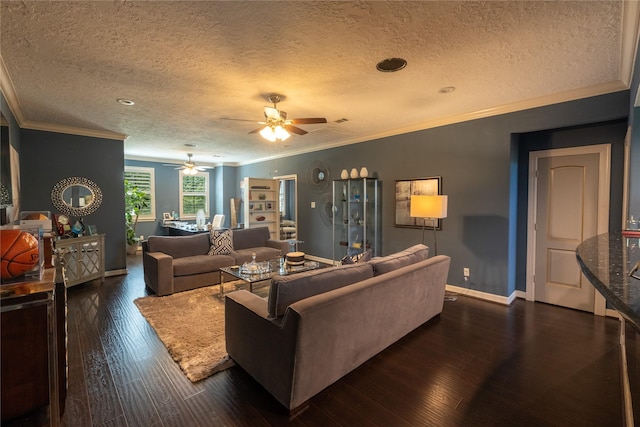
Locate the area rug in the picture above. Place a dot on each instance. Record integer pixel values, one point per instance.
(191, 326)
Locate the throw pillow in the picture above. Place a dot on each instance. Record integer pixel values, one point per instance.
(416, 253)
(354, 259)
(221, 242)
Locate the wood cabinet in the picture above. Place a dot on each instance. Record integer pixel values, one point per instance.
(82, 258)
(262, 204)
(33, 347)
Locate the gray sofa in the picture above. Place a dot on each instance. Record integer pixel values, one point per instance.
(179, 263)
(316, 327)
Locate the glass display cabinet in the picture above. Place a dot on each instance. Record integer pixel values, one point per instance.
(356, 217)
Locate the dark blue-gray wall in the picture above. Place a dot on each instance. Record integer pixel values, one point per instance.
(634, 152)
(222, 186)
(48, 157)
(478, 162)
(600, 133)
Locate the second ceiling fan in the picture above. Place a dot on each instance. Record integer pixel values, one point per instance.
(278, 127)
(189, 167)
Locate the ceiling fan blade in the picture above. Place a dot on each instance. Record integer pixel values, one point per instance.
(271, 113)
(236, 120)
(295, 130)
(256, 130)
(308, 121)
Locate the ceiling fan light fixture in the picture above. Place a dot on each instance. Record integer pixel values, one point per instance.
(268, 134)
(189, 171)
(274, 133)
(281, 133)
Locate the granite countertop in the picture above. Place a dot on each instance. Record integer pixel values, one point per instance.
(606, 260)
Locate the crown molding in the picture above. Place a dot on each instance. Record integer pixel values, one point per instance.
(71, 130)
(629, 40)
(8, 90)
(581, 93)
(178, 162)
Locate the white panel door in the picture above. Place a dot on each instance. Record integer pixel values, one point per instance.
(566, 214)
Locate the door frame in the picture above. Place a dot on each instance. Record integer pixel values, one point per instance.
(604, 179)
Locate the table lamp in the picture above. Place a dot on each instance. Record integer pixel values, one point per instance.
(433, 207)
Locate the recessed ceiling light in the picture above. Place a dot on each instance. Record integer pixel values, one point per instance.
(390, 65)
(447, 89)
(125, 101)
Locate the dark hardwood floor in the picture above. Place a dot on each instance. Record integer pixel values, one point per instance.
(478, 364)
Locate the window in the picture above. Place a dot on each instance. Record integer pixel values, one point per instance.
(194, 194)
(144, 179)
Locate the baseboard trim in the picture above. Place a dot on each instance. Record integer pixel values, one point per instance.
(483, 295)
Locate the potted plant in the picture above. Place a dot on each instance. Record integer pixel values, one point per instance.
(135, 200)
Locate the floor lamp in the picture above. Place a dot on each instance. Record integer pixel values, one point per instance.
(433, 207)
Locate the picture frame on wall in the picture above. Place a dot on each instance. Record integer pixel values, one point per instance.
(404, 189)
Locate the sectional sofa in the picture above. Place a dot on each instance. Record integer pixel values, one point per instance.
(179, 263)
(316, 327)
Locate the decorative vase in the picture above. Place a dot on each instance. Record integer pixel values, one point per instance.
(132, 249)
(344, 174)
(200, 219)
(354, 173)
(364, 172)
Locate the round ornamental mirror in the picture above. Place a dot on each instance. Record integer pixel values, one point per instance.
(76, 196)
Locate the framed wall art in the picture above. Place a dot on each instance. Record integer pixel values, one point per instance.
(430, 186)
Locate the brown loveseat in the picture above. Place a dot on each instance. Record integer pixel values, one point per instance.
(318, 326)
(179, 263)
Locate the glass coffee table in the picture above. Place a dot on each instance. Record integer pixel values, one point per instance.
(266, 270)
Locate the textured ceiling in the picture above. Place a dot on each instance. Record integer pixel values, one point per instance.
(190, 66)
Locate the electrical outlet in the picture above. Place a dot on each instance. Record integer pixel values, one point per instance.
(466, 272)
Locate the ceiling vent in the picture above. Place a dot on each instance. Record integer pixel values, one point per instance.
(391, 65)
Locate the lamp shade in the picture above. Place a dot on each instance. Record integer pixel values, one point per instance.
(274, 133)
(428, 206)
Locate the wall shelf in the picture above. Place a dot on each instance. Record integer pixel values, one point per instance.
(261, 206)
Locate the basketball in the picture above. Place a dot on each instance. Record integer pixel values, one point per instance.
(19, 251)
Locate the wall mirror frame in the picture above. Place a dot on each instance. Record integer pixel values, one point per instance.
(84, 195)
(288, 190)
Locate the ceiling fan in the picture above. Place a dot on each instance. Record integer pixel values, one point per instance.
(277, 126)
(189, 167)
